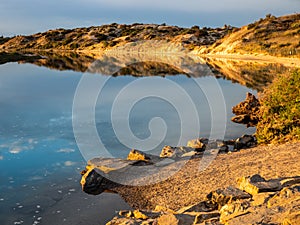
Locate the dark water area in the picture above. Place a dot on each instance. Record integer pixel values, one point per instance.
(41, 153)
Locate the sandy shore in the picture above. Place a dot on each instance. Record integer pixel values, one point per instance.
(286, 61)
(190, 186)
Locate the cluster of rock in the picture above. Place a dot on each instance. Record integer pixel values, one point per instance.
(109, 174)
(247, 112)
(255, 200)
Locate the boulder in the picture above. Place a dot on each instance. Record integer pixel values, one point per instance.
(138, 155)
(123, 221)
(246, 141)
(247, 111)
(256, 184)
(198, 144)
(139, 214)
(160, 208)
(286, 182)
(285, 196)
(173, 152)
(261, 198)
(104, 174)
(93, 183)
(207, 216)
(224, 196)
(223, 148)
(203, 206)
(175, 219)
(232, 210)
(167, 219)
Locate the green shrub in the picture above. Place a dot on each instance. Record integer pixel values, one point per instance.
(280, 110)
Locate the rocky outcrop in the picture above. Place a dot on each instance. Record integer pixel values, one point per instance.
(257, 184)
(247, 112)
(231, 206)
(110, 174)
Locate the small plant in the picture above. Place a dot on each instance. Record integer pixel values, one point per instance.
(280, 110)
(74, 46)
(268, 16)
(251, 25)
(284, 45)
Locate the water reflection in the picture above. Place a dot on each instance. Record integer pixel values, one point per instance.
(250, 73)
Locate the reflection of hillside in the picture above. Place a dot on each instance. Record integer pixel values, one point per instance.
(135, 64)
(6, 57)
(250, 73)
(253, 74)
(148, 69)
(141, 64)
(65, 61)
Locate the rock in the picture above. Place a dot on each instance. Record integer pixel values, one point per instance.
(173, 152)
(246, 141)
(213, 221)
(261, 198)
(223, 148)
(247, 111)
(139, 214)
(292, 219)
(197, 144)
(235, 207)
(286, 182)
(167, 219)
(232, 210)
(175, 219)
(190, 154)
(260, 216)
(204, 206)
(255, 184)
(229, 142)
(231, 148)
(168, 152)
(123, 221)
(224, 196)
(94, 184)
(138, 155)
(285, 196)
(213, 144)
(244, 119)
(202, 217)
(160, 208)
(126, 213)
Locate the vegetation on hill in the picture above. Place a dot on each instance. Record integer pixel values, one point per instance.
(269, 36)
(113, 35)
(280, 110)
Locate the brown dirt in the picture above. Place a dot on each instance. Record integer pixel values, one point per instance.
(190, 185)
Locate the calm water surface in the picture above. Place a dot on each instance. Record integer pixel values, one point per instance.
(40, 162)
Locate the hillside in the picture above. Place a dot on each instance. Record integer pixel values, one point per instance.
(113, 35)
(269, 36)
